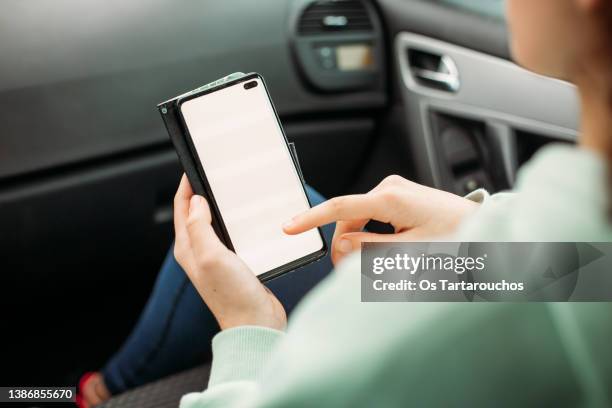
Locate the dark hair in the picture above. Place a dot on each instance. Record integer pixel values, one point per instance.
(609, 160)
(608, 25)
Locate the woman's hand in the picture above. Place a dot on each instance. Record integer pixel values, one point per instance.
(415, 211)
(230, 289)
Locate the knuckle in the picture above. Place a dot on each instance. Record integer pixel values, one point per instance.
(393, 179)
(389, 196)
(192, 222)
(337, 204)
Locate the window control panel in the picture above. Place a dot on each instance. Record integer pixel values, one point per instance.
(465, 157)
(474, 154)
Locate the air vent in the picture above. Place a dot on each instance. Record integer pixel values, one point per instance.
(329, 16)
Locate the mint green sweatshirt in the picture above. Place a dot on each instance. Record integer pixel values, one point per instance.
(338, 351)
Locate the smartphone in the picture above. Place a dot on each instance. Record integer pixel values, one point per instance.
(250, 177)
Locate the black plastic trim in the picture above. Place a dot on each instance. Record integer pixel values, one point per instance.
(440, 21)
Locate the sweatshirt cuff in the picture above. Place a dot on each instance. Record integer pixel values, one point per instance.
(240, 353)
(478, 196)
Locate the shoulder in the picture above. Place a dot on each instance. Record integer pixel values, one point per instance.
(561, 194)
(568, 167)
(568, 187)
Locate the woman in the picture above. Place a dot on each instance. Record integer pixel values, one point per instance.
(339, 351)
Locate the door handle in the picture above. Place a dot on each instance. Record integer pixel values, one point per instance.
(436, 71)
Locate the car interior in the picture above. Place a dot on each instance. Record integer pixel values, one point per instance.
(364, 88)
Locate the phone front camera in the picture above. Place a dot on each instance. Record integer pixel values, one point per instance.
(250, 85)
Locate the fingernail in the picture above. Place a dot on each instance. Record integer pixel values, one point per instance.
(195, 202)
(288, 224)
(345, 246)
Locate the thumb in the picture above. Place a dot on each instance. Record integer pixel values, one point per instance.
(351, 241)
(202, 236)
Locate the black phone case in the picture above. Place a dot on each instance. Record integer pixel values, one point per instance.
(170, 113)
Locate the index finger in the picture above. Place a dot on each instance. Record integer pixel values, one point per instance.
(343, 208)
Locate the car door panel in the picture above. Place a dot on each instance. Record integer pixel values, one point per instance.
(498, 111)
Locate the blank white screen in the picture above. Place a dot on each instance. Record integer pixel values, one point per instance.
(251, 174)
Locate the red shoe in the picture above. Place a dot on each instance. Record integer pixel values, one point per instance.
(80, 401)
(91, 391)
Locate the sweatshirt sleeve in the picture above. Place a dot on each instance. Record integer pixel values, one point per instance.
(239, 356)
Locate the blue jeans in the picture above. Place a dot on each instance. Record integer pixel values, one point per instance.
(175, 329)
